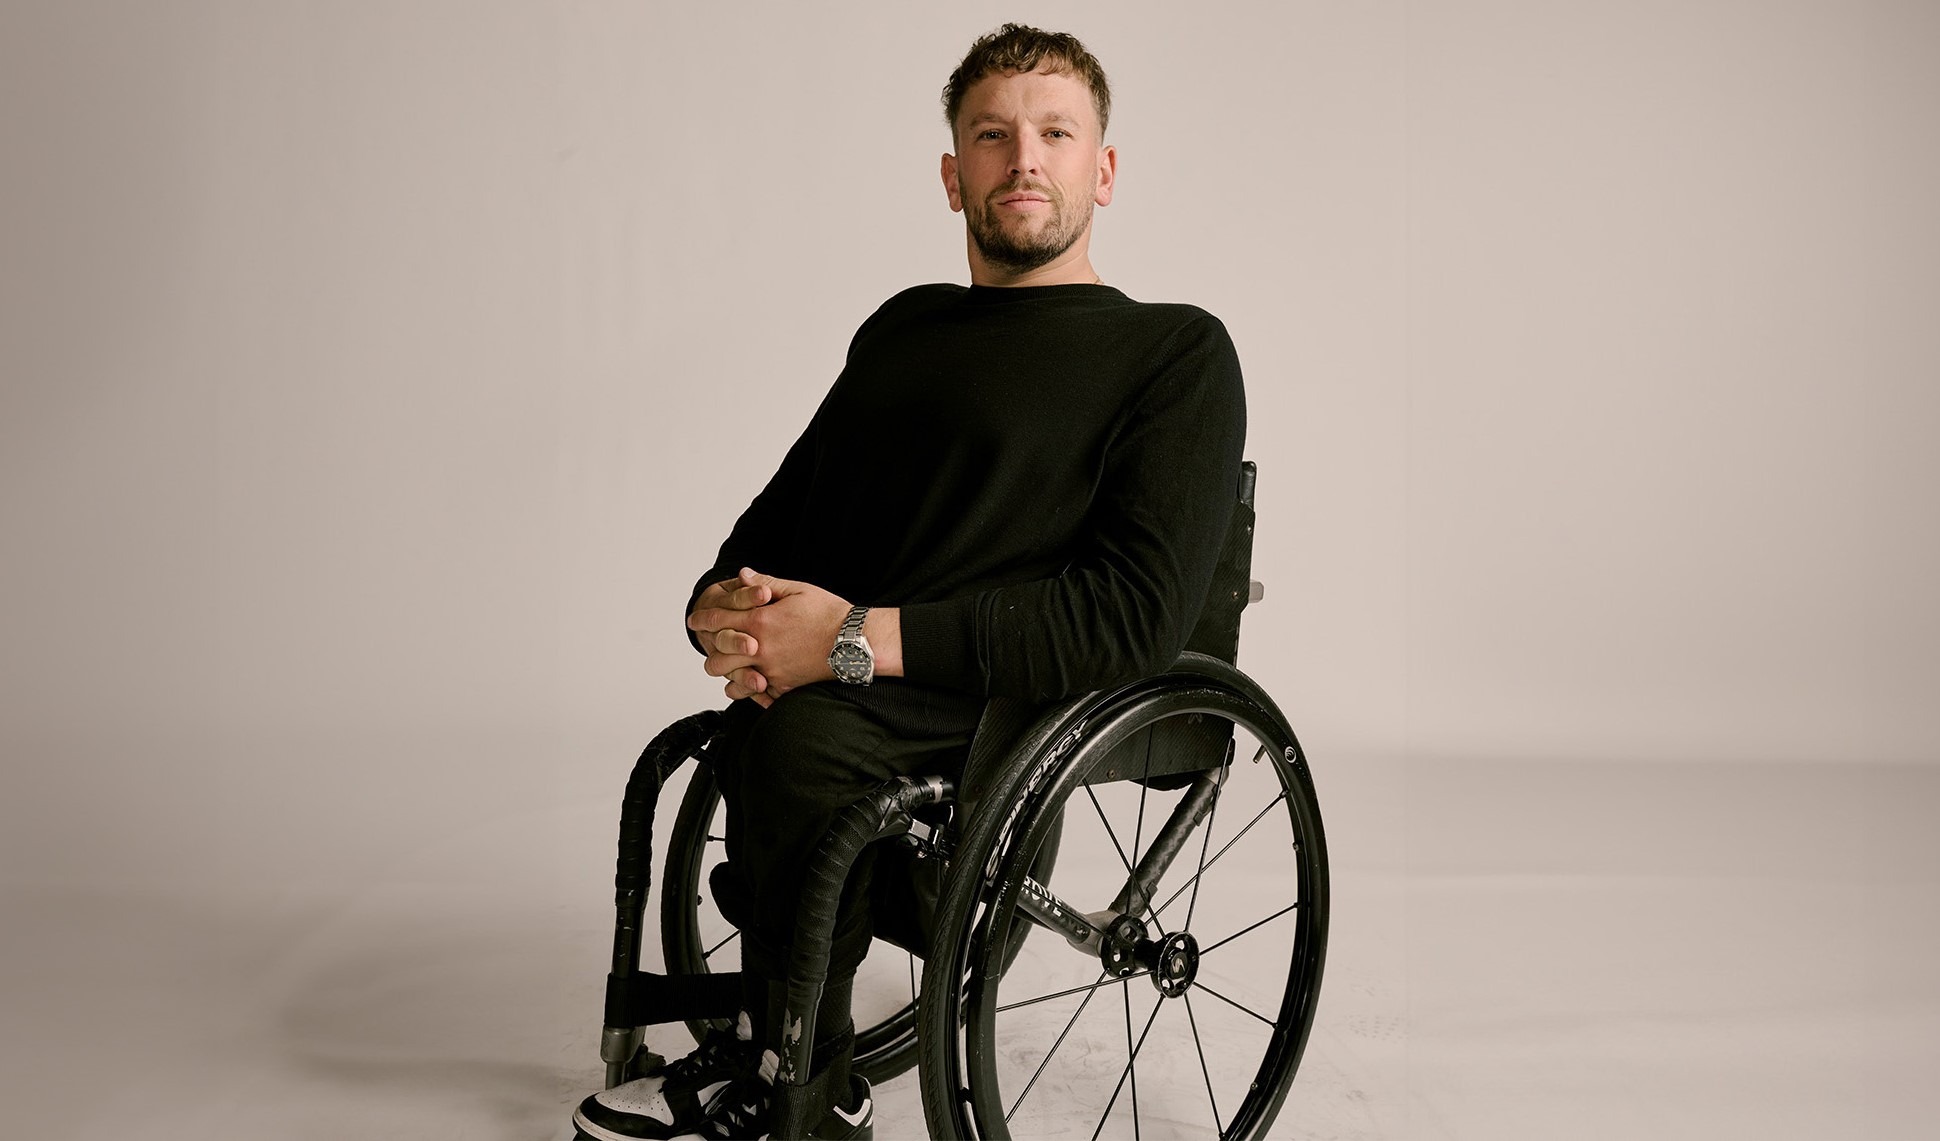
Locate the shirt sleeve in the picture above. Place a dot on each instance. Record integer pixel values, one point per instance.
(1125, 606)
(769, 529)
(766, 530)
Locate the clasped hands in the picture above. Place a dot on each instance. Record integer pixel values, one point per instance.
(766, 635)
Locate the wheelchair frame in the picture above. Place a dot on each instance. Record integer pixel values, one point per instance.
(992, 896)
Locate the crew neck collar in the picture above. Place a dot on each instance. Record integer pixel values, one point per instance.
(995, 293)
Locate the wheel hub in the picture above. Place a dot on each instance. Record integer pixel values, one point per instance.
(1175, 963)
(1120, 950)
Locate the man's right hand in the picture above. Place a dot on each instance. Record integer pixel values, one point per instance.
(745, 591)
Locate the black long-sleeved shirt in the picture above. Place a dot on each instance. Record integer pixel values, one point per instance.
(1039, 477)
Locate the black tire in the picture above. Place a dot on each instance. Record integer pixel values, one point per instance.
(693, 934)
(994, 1036)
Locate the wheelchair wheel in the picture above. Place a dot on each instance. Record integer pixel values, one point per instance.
(696, 938)
(1198, 1032)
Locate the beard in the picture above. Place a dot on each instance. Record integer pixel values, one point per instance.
(1020, 249)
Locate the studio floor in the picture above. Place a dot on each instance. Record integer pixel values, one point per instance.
(1518, 950)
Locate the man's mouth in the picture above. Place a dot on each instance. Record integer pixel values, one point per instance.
(1015, 197)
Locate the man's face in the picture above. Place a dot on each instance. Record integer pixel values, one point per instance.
(1030, 164)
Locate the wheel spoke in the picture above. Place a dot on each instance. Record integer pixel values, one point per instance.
(1235, 1005)
(1203, 1068)
(1131, 1071)
(1144, 791)
(1222, 851)
(1109, 831)
(1204, 951)
(1093, 989)
(1205, 841)
(1103, 982)
(709, 953)
(1129, 1063)
(1130, 872)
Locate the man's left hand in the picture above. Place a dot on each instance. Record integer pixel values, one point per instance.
(785, 643)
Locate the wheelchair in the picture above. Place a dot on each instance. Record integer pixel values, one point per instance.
(1114, 925)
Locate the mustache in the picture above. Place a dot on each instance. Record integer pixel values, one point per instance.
(1023, 188)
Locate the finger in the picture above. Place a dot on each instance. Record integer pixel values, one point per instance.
(736, 643)
(715, 592)
(750, 589)
(721, 665)
(756, 588)
(721, 593)
(745, 683)
(717, 618)
(763, 700)
(748, 597)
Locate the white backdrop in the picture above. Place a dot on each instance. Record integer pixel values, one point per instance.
(378, 376)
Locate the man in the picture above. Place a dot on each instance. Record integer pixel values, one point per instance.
(1016, 488)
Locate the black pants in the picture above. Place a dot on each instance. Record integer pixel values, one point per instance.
(785, 773)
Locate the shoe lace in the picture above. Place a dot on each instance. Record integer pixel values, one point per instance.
(718, 1050)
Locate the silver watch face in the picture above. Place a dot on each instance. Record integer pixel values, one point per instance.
(852, 662)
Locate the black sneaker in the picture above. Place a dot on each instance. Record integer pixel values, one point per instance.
(744, 1111)
(673, 1098)
(857, 1123)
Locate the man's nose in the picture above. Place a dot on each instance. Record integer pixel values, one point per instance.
(1024, 156)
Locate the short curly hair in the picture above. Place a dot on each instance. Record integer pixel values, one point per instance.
(1016, 47)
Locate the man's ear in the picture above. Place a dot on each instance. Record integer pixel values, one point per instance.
(950, 184)
(1107, 175)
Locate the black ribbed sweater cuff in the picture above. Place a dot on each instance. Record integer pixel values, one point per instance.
(939, 645)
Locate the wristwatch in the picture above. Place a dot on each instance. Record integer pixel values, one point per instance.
(852, 660)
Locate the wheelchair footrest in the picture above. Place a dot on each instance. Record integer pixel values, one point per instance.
(645, 998)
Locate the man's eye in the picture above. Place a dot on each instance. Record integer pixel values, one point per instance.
(993, 133)
(1057, 133)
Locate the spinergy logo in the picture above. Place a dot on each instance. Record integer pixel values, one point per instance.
(1030, 786)
(1049, 903)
